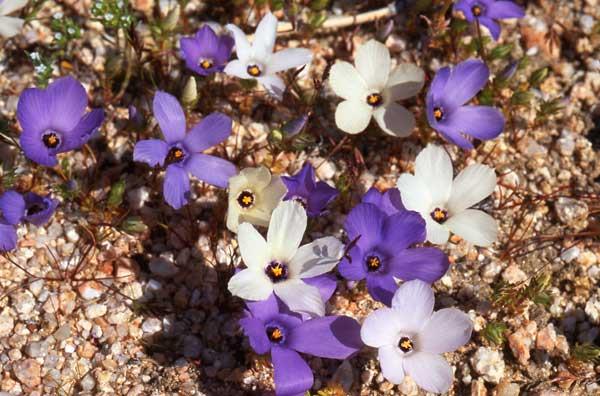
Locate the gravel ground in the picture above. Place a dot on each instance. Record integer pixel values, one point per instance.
(90, 305)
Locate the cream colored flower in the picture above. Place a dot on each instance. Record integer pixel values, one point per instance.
(253, 194)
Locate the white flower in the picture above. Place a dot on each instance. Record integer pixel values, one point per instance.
(443, 203)
(279, 264)
(369, 89)
(253, 194)
(410, 337)
(258, 61)
(10, 26)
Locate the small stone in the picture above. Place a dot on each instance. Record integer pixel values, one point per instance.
(520, 342)
(23, 302)
(90, 290)
(546, 339)
(570, 254)
(71, 234)
(138, 197)
(409, 387)
(87, 383)
(68, 301)
(87, 350)
(566, 143)
(507, 389)
(192, 346)
(592, 309)
(513, 274)
(27, 372)
(63, 332)
(478, 388)
(7, 323)
(152, 325)
(95, 311)
(488, 363)
(127, 270)
(572, 212)
(37, 349)
(162, 267)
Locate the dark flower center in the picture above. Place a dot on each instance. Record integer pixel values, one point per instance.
(51, 140)
(253, 70)
(35, 209)
(174, 156)
(439, 215)
(405, 344)
(373, 263)
(246, 199)
(206, 64)
(476, 10)
(275, 334)
(375, 99)
(438, 113)
(301, 200)
(276, 271)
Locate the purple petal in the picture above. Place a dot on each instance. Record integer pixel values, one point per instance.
(8, 237)
(326, 284)
(425, 263)
(151, 151)
(292, 375)
(39, 209)
(402, 230)
(492, 26)
(208, 41)
(466, 80)
(352, 267)
(176, 186)
(334, 337)
(465, 7)
(212, 170)
(264, 310)
(254, 329)
(388, 201)
(83, 131)
(212, 130)
(67, 101)
(366, 221)
(454, 136)
(382, 288)
(12, 207)
(322, 195)
(34, 148)
(170, 116)
(33, 111)
(482, 122)
(436, 90)
(505, 9)
(226, 43)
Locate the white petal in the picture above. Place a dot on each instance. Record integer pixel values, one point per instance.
(414, 194)
(274, 85)
(472, 185)
(405, 81)
(434, 167)
(431, 372)
(352, 116)
(436, 233)
(347, 83)
(288, 58)
(300, 297)
(395, 120)
(242, 46)
(316, 258)
(256, 178)
(10, 26)
(253, 247)
(414, 302)
(9, 6)
(382, 327)
(373, 64)
(233, 216)
(286, 230)
(264, 37)
(391, 362)
(237, 68)
(447, 330)
(250, 285)
(474, 226)
(271, 195)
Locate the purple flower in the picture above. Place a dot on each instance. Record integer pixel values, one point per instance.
(181, 152)
(312, 195)
(488, 12)
(380, 250)
(271, 327)
(206, 52)
(54, 120)
(389, 201)
(12, 209)
(446, 110)
(38, 209)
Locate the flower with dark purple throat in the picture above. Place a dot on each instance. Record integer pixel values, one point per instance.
(38, 209)
(488, 12)
(12, 209)
(272, 327)
(313, 195)
(206, 52)
(447, 111)
(54, 120)
(380, 250)
(181, 153)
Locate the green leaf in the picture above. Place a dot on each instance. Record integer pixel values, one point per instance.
(586, 352)
(494, 332)
(521, 98)
(317, 20)
(501, 51)
(538, 76)
(486, 97)
(115, 197)
(277, 5)
(318, 5)
(134, 225)
(458, 26)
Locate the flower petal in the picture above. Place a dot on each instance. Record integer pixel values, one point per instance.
(405, 81)
(339, 337)
(300, 297)
(292, 375)
(482, 122)
(424, 263)
(352, 116)
(414, 302)
(237, 68)
(436, 233)
(431, 372)
(402, 230)
(286, 230)
(395, 120)
(242, 46)
(502, 9)
(446, 331)
(373, 63)
(254, 329)
(326, 283)
(474, 226)
(274, 85)
(414, 192)
(151, 151)
(67, 102)
(264, 37)
(492, 26)
(83, 131)
(465, 81)
(12, 207)
(176, 186)
(47, 204)
(250, 284)
(382, 327)
(33, 111)
(365, 221)
(475, 183)
(210, 169)
(391, 362)
(8, 236)
(34, 148)
(389, 201)
(352, 267)
(10, 6)
(212, 130)
(170, 116)
(316, 258)
(437, 88)
(382, 287)
(253, 247)
(434, 168)
(288, 58)
(347, 83)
